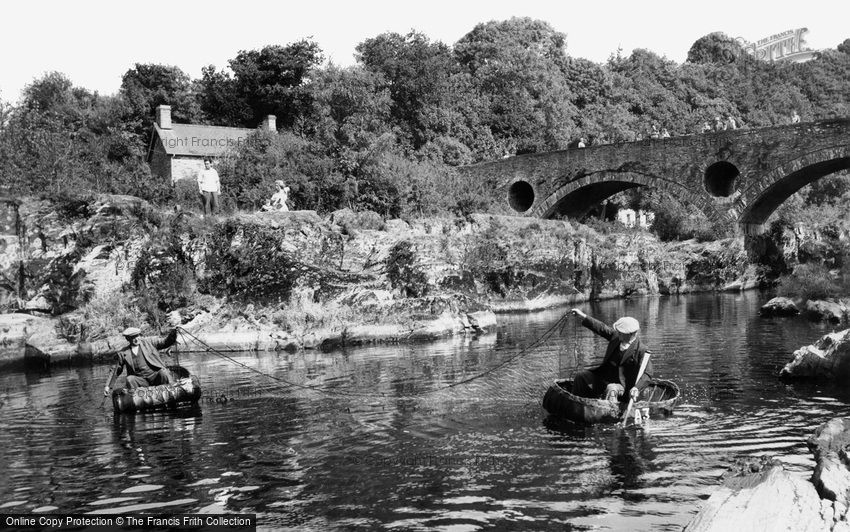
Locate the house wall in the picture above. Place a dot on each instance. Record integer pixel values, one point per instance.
(186, 167)
(160, 162)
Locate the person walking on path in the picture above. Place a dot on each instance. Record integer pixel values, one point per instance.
(617, 375)
(210, 187)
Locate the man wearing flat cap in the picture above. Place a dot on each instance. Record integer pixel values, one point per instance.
(617, 374)
(141, 360)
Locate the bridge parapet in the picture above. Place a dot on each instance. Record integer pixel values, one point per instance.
(743, 174)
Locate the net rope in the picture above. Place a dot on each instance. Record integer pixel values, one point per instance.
(507, 364)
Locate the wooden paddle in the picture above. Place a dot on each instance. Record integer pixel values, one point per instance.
(643, 364)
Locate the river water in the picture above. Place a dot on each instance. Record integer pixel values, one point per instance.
(391, 443)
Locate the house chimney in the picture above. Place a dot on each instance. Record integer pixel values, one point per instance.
(163, 116)
(270, 123)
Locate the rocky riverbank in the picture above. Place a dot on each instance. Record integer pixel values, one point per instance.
(297, 280)
(764, 497)
(761, 495)
(826, 359)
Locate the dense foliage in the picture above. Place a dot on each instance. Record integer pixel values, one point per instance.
(386, 133)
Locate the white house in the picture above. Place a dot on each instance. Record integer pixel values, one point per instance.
(631, 218)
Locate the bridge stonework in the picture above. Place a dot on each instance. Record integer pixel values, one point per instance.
(742, 174)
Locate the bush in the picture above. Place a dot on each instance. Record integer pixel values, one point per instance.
(164, 276)
(813, 281)
(303, 312)
(403, 271)
(186, 195)
(102, 316)
(66, 288)
(248, 174)
(259, 268)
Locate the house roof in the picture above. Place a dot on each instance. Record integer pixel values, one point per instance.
(199, 140)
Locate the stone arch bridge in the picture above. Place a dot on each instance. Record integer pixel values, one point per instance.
(742, 174)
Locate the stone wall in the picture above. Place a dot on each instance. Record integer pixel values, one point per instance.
(742, 174)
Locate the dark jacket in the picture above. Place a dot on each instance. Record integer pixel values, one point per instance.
(149, 347)
(620, 366)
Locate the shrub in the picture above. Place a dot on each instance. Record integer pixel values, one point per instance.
(186, 195)
(102, 316)
(813, 281)
(403, 271)
(259, 268)
(163, 277)
(303, 312)
(66, 288)
(248, 174)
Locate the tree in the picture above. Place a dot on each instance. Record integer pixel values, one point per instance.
(717, 48)
(351, 113)
(650, 87)
(517, 66)
(64, 141)
(219, 99)
(271, 80)
(147, 86)
(416, 72)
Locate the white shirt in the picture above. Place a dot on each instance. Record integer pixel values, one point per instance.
(208, 180)
(279, 199)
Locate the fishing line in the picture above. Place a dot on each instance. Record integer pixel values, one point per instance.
(341, 393)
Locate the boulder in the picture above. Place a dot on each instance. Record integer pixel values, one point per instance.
(828, 358)
(769, 501)
(779, 306)
(829, 445)
(15, 329)
(821, 310)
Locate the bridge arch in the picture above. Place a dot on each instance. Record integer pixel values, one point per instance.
(765, 195)
(577, 197)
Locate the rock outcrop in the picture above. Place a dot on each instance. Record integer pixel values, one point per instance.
(779, 306)
(769, 501)
(826, 310)
(446, 271)
(828, 358)
(772, 500)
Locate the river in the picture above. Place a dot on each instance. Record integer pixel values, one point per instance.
(393, 443)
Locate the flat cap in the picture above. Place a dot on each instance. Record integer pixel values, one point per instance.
(627, 325)
(131, 331)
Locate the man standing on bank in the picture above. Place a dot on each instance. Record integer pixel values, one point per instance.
(617, 374)
(210, 187)
(141, 360)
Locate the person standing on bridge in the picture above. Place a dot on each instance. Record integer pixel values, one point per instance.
(617, 375)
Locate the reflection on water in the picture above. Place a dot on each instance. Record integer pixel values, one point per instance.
(392, 448)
